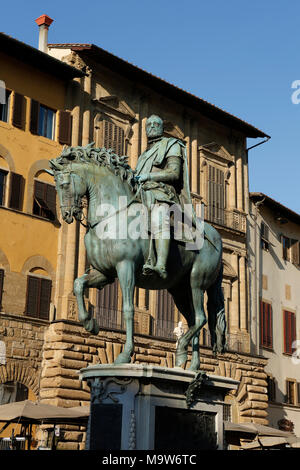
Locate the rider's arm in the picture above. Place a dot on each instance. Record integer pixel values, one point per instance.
(170, 173)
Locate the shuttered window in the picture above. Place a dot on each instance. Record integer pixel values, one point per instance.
(289, 331)
(216, 195)
(165, 310)
(34, 116)
(285, 248)
(1, 286)
(18, 110)
(4, 107)
(65, 128)
(291, 392)
(113, 137)
(38, 297)
(107, 306)
(266, 325)
(44, 203)
(3, 179)
(295, 252)
(16, 191)
(264, 236)
(46, 122)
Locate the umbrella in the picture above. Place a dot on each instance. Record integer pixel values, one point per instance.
(36, 412)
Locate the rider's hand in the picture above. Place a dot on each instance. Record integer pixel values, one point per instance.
(141, 178)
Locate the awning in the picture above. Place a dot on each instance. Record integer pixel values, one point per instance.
(35, 412)
(255, 429)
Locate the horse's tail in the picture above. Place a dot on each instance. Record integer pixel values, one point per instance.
(216, 314)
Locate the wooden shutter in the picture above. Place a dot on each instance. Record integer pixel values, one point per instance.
(45, 297)
(19, 104)
(165, 314)
(216, 194)
(51, 198)
(295, 252)
(266, 325)
(285, 248)
(34, 116)
(289, 331)
(32, 300)
(16, 191)
(1, 286)
(113, 137)
(264, 231)
(65, 127)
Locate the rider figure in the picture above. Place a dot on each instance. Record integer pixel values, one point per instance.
(159, 169)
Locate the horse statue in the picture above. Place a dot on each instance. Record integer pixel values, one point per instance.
(104, 177)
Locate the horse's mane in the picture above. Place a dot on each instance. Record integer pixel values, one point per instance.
(100, 157)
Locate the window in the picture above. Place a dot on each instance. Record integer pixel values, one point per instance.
(16, 191)
(38, 297)
(266, 327)
(4, 107)
(264, 236)
(291, 250)
(165, 310)
(286, 248)
(107, 306)
(271, 388)
(113, 137)
(216, 195)
(46, 123)
(11, 392)
(3, 178)
(19, 110)
(289, 329)
(1, 286)
(44, 203)
(291, 392)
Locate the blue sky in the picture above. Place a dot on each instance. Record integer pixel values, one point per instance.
(241, 56)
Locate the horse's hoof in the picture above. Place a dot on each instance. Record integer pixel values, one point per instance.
(123, 358)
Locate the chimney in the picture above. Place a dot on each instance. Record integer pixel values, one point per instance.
(43, 22)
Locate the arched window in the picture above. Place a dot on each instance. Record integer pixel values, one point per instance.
(11, 392)
(44, 197)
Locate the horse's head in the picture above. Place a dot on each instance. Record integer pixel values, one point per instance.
(70, 185)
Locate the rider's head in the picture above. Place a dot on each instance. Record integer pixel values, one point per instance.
(154, 127)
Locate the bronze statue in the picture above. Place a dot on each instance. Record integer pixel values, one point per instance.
(104, 177)
(160, 170)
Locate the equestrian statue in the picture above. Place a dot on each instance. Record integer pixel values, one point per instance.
(155, 256)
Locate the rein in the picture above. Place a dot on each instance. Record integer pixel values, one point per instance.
(91, 225)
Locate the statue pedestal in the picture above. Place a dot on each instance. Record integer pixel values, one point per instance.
(143, 407)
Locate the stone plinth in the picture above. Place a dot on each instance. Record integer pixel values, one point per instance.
(135, 406)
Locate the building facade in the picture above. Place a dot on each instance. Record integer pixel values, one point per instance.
(107, 100)
(31, 131)
(275, 263)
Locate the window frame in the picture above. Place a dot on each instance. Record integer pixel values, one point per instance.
(293, 382)
(3, 203)
(288, 341)
(268, 323)
(6, 107)
(42, 204)
(40, 280)
(43, 132)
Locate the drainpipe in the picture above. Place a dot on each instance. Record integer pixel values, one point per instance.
(256, 273)
(43, 23)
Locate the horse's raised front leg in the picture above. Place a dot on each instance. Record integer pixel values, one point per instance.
(92, 279)
(125, 271)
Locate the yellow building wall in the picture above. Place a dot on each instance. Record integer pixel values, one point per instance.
(24, 236)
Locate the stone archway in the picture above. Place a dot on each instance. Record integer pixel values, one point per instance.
(18, 372)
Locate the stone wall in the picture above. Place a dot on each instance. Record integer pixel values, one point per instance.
(68, 348)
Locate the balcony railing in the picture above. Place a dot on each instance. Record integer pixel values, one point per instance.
(232, 218)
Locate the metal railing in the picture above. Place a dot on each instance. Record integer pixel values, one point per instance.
(112, 319)
(232, 218)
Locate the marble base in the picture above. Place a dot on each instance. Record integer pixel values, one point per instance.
(135, 406)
